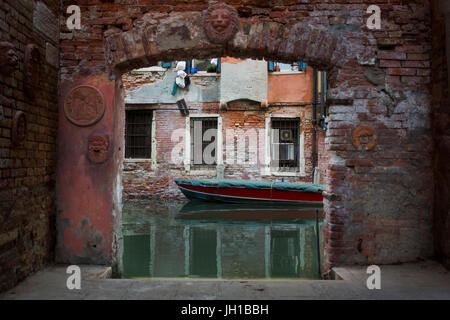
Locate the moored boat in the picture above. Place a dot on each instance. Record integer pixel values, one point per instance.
(244, 191)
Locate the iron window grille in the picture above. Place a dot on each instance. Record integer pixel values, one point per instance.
(285, 144)
(201, 138)
(138, 134)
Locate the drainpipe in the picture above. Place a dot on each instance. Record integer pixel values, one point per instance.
(445, 8)
(314, 121)
(322, 100)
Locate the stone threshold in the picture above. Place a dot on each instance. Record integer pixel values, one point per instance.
(418, 280)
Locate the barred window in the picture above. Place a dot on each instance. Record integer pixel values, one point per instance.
(285, 143)
(203, 141)
(138, 134)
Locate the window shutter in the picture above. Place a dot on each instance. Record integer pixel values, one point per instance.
(188, 66)
(218, 69)
(302, 66)
(166, 64)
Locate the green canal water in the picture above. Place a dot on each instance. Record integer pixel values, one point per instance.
(172, 239)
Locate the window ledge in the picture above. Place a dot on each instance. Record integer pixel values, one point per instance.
(150, 69)
(287, 174)
(201, 172)
(280, 73)
(137, 160)
(210, 74)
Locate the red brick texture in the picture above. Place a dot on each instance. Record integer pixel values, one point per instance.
(379, 203)
(27, 171)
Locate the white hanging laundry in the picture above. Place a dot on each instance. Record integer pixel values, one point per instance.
(181, 65)
(180, 82)
(182, 74)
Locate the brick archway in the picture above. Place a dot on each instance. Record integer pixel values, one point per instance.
(181, 35)
(363, 216)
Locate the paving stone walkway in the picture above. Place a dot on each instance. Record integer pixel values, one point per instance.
(421, 280)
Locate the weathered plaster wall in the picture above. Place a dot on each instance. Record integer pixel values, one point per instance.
(379, 204)
(203, 88)
(147, 87)
(27, 171)
(290, 87)
(85, 188)
(441, 130)
(243, 79)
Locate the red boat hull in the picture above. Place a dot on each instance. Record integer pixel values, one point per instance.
(250, 194)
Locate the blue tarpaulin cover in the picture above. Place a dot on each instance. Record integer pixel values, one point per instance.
(214, 183)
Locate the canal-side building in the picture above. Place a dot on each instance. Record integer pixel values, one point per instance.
(256, 111)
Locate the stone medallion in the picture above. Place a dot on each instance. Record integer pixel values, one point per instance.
(221, 23)
(8, 58)
(84, 106)
(364, 135)
(19, 129)
(98, 148)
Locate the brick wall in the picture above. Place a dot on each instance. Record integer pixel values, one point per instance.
(441, 131)
(27, 185)
(135, 79)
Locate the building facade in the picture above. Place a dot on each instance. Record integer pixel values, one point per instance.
(259, 122)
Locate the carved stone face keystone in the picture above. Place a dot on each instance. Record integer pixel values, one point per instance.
(221, 22)
(8, 58)
(98, 148)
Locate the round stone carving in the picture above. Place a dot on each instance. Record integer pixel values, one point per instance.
(366, 136)
(19, 129)
(98, 148)
(84, 106)
(221, 22)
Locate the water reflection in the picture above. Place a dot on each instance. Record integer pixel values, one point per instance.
(211, 240)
